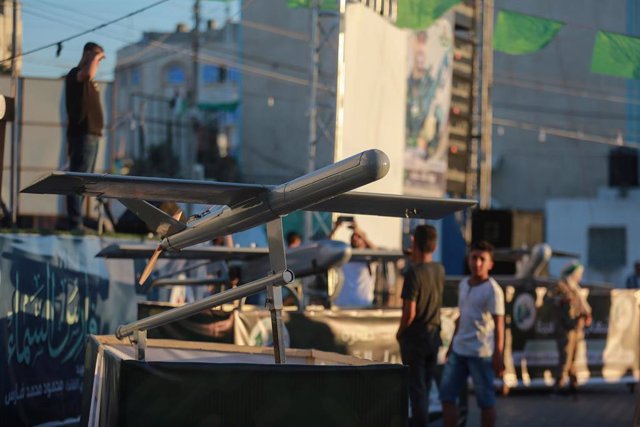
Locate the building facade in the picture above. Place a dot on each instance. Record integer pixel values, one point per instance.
(600, 229)
(277, 51)
(162, 116)
(555, 121)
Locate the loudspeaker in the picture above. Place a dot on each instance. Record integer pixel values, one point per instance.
(623, 167)
(507, 229)
(494, 226)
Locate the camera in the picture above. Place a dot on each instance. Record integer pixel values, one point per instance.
(343, 218)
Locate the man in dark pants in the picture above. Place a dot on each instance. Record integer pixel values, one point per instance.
(419, 330)
(84, 121)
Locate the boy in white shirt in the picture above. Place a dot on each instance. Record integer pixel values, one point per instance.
(478, 341)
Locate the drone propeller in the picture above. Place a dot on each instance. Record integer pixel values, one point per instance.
(156, 254)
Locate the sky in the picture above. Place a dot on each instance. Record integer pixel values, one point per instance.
(49, 21)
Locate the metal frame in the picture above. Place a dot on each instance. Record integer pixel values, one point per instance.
(280, 275)
(322, 93)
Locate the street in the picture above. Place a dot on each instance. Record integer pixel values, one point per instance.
(595, 405)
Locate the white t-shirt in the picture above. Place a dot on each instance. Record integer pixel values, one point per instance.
(359, 284)
(478, 304)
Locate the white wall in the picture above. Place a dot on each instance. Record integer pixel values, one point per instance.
(43, 141)
(568, 222)
(374, 108)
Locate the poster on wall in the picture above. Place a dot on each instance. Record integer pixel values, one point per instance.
(53, 293)
(429, 75)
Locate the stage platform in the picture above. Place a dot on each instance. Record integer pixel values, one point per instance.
(194, 383)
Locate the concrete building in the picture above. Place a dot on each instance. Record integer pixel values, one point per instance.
(276, 90)
(601, 229)
(553, 117)
(156, 110)
(6, 34)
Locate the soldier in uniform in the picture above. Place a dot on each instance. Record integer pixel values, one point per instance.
(573, 313)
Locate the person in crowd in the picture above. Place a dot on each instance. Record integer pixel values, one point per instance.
(84, 122)
(573, 313)
(419, 330)
(359, 276)
(633, 280)
(293, 239)
(478, 341)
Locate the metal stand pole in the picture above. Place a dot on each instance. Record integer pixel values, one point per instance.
(280, 278)
(278, 260)
(140, 342)
(7, 114)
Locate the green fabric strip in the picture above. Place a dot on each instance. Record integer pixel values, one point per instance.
(616, 55)
(519, 34)
(324, 4)
(420, 14)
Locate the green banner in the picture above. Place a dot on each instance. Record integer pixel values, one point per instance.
(616, 55)
(519, 34)
(420, 14)
(324, 4)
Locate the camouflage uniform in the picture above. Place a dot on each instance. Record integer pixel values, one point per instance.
(572, 309)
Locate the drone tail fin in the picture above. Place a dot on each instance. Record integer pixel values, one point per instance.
(158, 221)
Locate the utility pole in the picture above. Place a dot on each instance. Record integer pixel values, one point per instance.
(15, 152)
(192, 143)
(485, 103)
(322, 92)
(195, 47)
(314, 45)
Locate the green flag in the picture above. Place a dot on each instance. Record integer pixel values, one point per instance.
(518, 34)
(419, 14)
(324, 4)
(616, 55)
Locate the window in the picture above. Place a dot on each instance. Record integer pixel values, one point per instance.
(174, 74)
(234, 75)
(607, 247)
(210, 74)
(135, 77)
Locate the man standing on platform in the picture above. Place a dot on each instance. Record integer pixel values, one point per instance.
(84, 121)
(419, 330)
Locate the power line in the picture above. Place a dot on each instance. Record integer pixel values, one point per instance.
(232, 62)
(221, 49)
(565, 91)
(558, 83)
(59, 9)
(85, 32)
(45, 16)
(565, 133)
(561, 112)
(275, 30)
(206, 58)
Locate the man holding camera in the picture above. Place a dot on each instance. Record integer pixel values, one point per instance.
(359, 276)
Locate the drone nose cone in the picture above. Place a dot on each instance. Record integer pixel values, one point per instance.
(376, 162)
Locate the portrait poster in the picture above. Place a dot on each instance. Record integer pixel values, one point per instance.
(428, 99)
